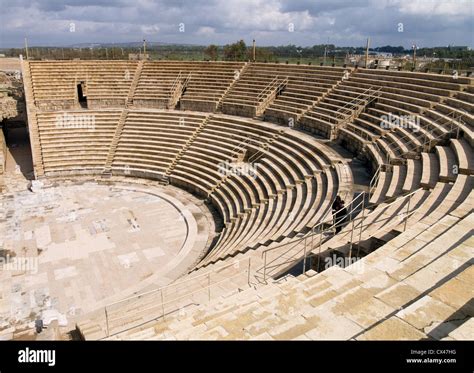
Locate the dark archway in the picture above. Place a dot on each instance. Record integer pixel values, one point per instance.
(80, 95)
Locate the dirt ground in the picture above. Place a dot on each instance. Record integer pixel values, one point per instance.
(9, 64)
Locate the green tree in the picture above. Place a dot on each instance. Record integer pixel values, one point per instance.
(211, 51)
(261, 54)
(236, 51)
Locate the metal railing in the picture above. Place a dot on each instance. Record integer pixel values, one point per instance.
(338, 222)
(318, 229)
(362, 132)
(134, 84)
(267, 94)
(363, 99)
(177, 87)
(263, 147)
(243, 145)
(159, 300)
(267, 89)
(175, 83)
(275, 83)
(406, 214)
(428, 138)
(253, 141)
(393, 222)
(351, 110)
(374, 181)
(259, 154)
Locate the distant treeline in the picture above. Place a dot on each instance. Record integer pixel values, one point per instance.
(238, 51)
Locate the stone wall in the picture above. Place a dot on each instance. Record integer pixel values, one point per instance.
(105, 103)
(240, 110)
(3, 153)
(195, 105)
(280, 117)
(12, 97)
(150, 104)
(56, 105)
(318, 128)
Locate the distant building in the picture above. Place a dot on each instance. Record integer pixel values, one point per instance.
(138, 56)
(379, 61)
(383, 54)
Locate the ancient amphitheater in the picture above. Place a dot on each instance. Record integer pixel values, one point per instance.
(194, 200)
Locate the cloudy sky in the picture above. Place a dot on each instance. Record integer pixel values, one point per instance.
(271, 22)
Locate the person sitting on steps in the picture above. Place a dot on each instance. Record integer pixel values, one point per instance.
(339, 212)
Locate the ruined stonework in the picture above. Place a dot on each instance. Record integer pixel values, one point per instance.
(12, 99)
(3, 153)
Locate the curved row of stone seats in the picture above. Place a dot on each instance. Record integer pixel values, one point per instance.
(425, 206)
(402, 145)
(417, 286)
(274, 170)
(464, 156)
(329, 111)
(49, 88)
(393, 146)
(408, 260)
(255, 203)
(323, 119)
(433, 123)
(76, 142)
(287, 251)
(413, 134)
(208, 82)
(134, 312)
(301, 93)
(443, 171)
(281, 221)
(305, 85)
(300, 219)
(395, 151)
(283, 173)
(105, 83)
(370, 132)
(398, 99)
(151, 140)
(419, 86)
(429, 96)
(443, 114)
(425, 171)
(450, 190)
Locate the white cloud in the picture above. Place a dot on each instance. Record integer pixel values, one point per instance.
(150, 29)
(206, 31)
(347, 22)
(462, 8)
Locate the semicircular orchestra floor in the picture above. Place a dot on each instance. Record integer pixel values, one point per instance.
(71, 247)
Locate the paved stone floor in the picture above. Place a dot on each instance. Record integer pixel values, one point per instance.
(84, 243)
(68, 247)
